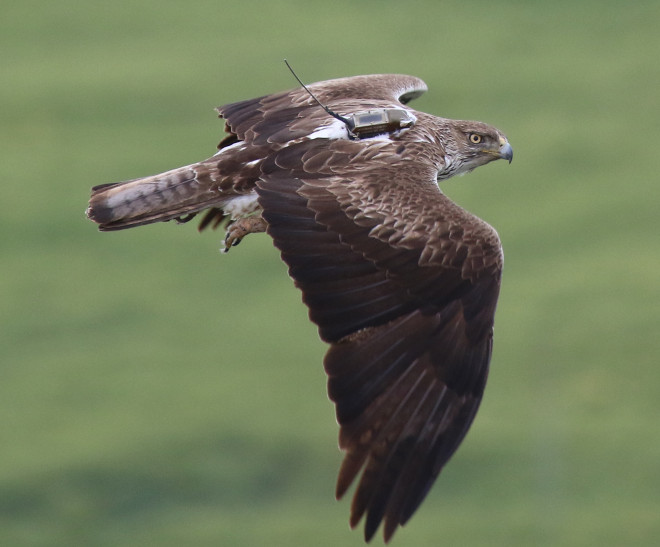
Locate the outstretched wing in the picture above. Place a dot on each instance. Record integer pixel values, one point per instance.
(289, 115)
(403, 284)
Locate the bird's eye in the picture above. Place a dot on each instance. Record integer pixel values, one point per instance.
(475, 138)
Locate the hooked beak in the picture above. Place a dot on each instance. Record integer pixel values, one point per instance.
(506, 152)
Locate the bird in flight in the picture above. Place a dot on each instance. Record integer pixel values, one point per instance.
(401, 282)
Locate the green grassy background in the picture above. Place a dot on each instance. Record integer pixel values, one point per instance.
(154, 392)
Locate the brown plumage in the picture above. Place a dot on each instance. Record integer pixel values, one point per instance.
(401, 282)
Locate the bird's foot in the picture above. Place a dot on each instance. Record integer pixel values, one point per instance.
(239, 228)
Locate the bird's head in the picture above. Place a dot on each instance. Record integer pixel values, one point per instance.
(474, 144)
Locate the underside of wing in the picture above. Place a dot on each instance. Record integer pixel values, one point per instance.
(410, 338)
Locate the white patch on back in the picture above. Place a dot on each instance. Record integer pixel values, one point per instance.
(381, 137)
(239, 144)
(334, 130)
(241, 205)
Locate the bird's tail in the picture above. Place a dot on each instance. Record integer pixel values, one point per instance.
(170, 195)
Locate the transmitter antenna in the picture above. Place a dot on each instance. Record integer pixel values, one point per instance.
(350, 125)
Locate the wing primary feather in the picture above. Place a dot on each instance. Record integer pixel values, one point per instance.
(357, 435)
(376, 483)
(413, 467)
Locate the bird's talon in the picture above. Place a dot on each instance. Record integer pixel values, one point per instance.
(239, 228)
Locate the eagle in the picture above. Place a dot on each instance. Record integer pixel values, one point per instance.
(401, 281)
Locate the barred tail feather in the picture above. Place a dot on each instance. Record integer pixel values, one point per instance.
(157, 198)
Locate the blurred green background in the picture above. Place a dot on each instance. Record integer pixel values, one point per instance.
(155, 392)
